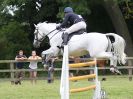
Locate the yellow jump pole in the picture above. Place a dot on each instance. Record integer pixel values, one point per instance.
(82, 89)
(78, 65)
(82, 77)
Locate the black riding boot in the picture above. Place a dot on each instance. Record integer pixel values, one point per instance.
(65, 38)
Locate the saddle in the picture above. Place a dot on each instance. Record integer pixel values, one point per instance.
(79, 32)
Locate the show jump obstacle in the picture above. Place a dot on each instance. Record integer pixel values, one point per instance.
(64, 85)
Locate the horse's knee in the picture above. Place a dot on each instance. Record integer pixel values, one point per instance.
(51, 69)
(92, 54)
(43, 54)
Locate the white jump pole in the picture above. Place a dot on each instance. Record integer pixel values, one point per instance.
(97, 92)
(64, 85)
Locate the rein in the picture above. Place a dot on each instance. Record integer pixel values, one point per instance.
(55, 34)
(50, 32)
(43, 37)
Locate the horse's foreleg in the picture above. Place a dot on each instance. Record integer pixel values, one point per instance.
(49, 51)
(48, 54)
(45, 55)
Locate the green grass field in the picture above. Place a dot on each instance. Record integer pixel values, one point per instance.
(116, 87)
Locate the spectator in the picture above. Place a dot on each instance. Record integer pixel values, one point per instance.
(19, 65)
(33, 66)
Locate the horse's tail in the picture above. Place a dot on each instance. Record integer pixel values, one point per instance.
(118, 47)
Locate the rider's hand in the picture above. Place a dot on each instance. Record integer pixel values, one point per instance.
(58, 27)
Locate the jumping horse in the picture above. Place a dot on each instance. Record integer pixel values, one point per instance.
(98, 45)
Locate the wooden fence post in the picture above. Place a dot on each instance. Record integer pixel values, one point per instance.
(12, 72)
(130, 72)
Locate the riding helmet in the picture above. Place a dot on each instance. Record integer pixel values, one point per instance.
(68, 9)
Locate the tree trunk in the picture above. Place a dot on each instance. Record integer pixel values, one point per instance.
(119, 23)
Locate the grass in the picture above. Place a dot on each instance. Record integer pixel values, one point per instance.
(116, 87)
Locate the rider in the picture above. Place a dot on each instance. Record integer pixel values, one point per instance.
(76, 23)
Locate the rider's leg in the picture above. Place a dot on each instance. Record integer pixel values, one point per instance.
(76, 27)
(73, 28)
(65, 38)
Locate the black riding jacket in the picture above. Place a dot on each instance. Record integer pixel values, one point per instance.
(71, 18)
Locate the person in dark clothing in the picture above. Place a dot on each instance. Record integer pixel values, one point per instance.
(75, 21)
(19, 65)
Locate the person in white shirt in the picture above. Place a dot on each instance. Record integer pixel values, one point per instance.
(33, 66)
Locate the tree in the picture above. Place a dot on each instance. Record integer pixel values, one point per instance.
(12, 39)
(28, 12)
(119, 23)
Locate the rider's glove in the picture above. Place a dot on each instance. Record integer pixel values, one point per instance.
(58, 27)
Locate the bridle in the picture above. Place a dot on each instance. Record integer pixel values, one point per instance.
(43, 36)
(36, 35)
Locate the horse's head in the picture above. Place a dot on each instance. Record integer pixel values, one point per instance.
(42, 30)
(38, 35)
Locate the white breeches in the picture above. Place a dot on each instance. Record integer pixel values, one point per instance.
(76, 27)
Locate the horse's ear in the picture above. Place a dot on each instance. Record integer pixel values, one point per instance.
(35, 25)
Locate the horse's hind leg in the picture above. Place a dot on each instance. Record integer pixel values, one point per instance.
(113, 61)
(113, 65)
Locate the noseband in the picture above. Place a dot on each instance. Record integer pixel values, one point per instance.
(42, 36)
(36, 36)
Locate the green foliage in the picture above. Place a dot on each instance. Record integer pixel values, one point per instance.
(79, 6)
(16, 31)
(126, 8)
(14, 38)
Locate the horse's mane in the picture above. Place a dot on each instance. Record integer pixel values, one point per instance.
(47, 25)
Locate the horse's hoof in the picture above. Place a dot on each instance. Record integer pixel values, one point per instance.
(45, 66)
(118, 72)
(115, 70)
(112, 70)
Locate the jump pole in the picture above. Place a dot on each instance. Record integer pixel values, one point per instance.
(82, 89)
(78, 65)
(64, 85)
(97, 92)
(82, 77)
